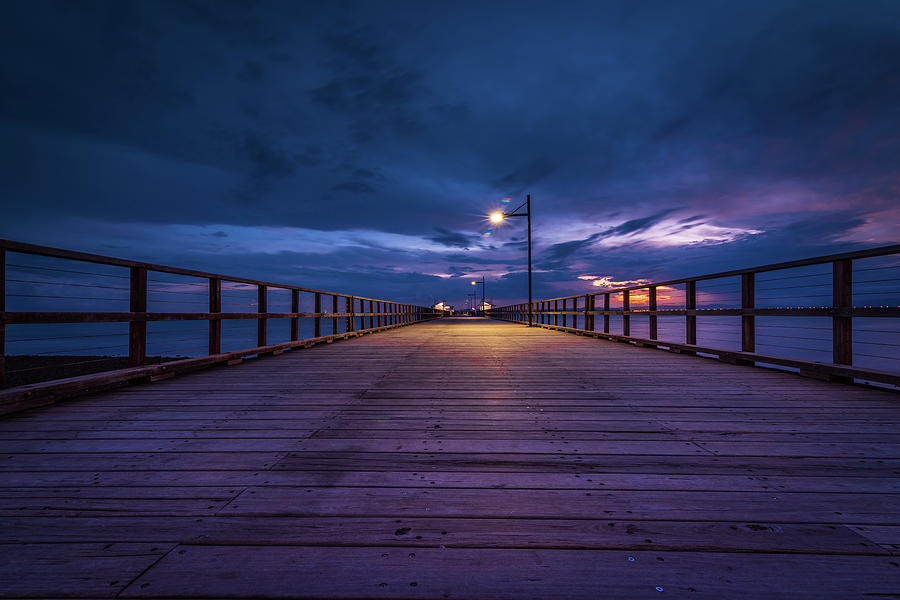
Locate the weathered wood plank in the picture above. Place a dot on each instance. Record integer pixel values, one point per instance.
(80, 507)
(793, 507)
(111, 461)
(508, 574)
(582, 463)
(195, 480)
(98, 570)
(598, 534)
(478, 445)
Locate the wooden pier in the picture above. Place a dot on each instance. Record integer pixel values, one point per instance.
(458, 458)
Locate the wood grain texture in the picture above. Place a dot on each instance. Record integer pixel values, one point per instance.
(472, 458)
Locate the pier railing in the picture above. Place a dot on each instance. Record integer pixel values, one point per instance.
(834, 317)
(118, 316)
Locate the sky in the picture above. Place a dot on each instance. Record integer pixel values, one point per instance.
(359, 146)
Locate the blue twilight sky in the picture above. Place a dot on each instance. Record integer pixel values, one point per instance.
(358, 146)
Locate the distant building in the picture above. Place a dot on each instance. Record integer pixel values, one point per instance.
(442, 306)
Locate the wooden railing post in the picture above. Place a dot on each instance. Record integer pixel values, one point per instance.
(626, 306)
(334, 310)
(606, 312)
(690, 321)
(588, 306)
(654, 334)
(842, 326)
(371, 314)
(565, 316)
(574, 309)
(350, 310)
(748, 322)
(295, 321)
(317, 320)
(215, 306)
(2, 310)
(262, 306)
(137, 330)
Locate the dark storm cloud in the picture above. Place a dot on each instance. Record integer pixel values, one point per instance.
(367, 94)
(354, 187)
(554, 256)
(451, 238)
(634, 226)
(358, 180)
(237, 21)
(621, 117)
(527, 175)
(267, 158)
(251, 71)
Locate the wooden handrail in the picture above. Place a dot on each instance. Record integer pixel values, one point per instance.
(841, 310)
(806, 262)
(389, 314)
(121, 262)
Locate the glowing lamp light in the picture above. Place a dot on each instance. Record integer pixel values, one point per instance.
(496, 217)
(473, 283)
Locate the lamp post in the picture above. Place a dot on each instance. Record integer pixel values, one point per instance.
(496, 218)
(482, 292)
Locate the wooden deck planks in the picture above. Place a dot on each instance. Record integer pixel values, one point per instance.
(476, 459)
(511, 574)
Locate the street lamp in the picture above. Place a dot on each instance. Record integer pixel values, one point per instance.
(482, 292)
(497, 217)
